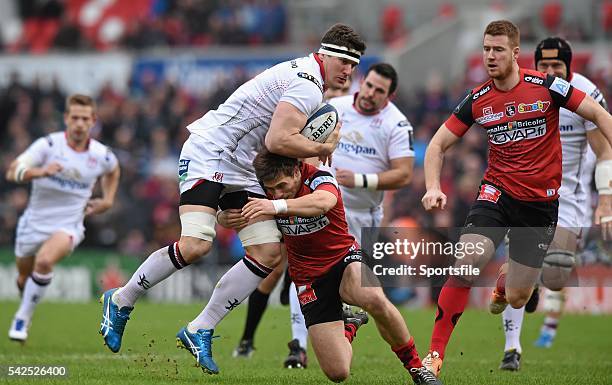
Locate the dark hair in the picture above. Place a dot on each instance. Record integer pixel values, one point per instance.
(505, 28)
(386, 71)
(269, 166)
(80, 100)
(344, 36)
(554, 48)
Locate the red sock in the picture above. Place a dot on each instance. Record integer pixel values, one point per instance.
(451, 303)
(350, 331)
(408, 354)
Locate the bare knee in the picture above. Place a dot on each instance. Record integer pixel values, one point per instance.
(376, 304)
(518, 298)
(43, 265)
(268, 254)
(337, 374)
(192, 248)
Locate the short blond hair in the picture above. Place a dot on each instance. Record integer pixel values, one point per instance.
(505, 28)
(80, 100)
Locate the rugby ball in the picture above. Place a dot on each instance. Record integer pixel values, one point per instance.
(321, 123)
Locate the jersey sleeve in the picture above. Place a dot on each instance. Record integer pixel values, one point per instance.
(304, 92)
(38, 152)
(563, 93)
(323, 180)
(462, 117)
(110, 161)
(401, 142)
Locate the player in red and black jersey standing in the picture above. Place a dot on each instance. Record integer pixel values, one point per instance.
(325, 264)
(519, 109)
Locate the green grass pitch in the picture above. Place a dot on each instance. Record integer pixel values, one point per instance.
(66, 334)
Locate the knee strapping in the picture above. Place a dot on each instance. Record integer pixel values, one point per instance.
(198, 224)
(259, 233)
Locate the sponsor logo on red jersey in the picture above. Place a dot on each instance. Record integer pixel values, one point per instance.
(517, 130)
(301, 226)
(510, 109)
(539, 105)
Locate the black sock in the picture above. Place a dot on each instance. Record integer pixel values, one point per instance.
(284, 295)
(258, 302)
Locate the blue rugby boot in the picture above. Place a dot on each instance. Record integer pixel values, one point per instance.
(199, 345)
(113, 321)
(545, 340)
(19, 330)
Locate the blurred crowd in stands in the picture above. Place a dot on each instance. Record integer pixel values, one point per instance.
(41, 25)
(81, 25)
(146, 131)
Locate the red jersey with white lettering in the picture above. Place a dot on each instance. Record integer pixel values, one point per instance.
(315, 244)
(523, 129)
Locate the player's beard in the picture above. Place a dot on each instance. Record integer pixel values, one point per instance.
(368, 110)
(79, 137)
(503, 73)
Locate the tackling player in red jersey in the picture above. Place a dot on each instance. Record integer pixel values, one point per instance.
(519, 109)
(325, 264)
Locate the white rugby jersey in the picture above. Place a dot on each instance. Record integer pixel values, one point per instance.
(574, 143)
(60, 200)
(238, 127)
(367, 145)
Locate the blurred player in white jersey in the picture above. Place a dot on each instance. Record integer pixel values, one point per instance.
(554, 56)
(63, 168)
(375, 152)
(215, 171)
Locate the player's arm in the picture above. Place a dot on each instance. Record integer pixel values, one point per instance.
(599, 144)
(317, 203)
(448, 134)
(109, 183)
(603, 180)
(284, 138)
(30, 164)
(311, 205)
(443, 139)
(589, 109)
(398, 176)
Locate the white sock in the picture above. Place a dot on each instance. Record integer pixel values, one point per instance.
(158, 266)
(550, 325)
(512, 322)
(298, 324)
(35, 288)
(235, 285)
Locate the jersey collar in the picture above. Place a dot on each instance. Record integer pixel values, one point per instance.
(321, 69)
(74, 149)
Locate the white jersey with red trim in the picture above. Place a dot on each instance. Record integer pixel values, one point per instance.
(59, 200)
(368, 144)
(573, 129)
(237, 129)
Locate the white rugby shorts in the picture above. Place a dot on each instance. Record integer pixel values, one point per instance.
(358, 218)
(199, 160)
(30, 238)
